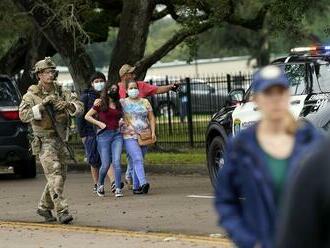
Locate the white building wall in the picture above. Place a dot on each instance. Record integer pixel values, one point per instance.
(181, 68)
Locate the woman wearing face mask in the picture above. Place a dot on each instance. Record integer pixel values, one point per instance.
(138, 117)
(109, 138)
(86, 131)
(260, 162)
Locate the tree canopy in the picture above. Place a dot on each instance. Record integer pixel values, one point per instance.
(142, 32)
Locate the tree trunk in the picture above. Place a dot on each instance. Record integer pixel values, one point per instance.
(12, 62)
(132, 36)
(263, 57)
(72, 52)
(24, 53)
(39, 48)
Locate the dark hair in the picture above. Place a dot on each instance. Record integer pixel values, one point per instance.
(96, 75)
(105, 97)
(127, 82)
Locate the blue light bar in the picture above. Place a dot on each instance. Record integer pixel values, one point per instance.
(310, 49)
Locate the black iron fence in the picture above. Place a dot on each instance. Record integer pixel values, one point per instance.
(183, 116)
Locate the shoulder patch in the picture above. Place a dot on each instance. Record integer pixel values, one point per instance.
(34, 89)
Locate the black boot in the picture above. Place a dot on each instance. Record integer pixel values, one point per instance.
(145, 188)
(47, 214)
(65, 218)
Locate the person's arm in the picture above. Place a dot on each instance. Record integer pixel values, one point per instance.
(164, 89)
(152, 121)
(228, 204)
(28, 110)
(90, 118)
(151, 118)
(72, 103)
(81, 122)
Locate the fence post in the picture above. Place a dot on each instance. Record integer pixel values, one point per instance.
(169, 107)
(153, 101)
(189, 114)
(228, 83)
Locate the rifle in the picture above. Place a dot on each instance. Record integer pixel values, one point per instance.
(49, 109)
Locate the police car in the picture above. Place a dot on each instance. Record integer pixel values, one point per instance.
(308, 71)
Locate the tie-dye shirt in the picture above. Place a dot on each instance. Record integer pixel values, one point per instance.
(135, 117)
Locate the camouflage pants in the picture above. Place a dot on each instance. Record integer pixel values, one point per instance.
(52, 157)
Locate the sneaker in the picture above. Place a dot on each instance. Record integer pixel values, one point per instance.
(100, 190)
(113, 186)
(145, 188)
(129, 182)
(47, 214)
(138, 191)
(95, 188)
(65, 218)
(119, 193)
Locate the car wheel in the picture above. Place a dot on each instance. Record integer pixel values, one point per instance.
(215, 160)
(26, 168)
(163, 110)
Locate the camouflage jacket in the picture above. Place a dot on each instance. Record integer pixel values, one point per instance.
(29, 110)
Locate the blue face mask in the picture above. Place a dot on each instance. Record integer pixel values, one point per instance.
(133, 93)
(99, 86)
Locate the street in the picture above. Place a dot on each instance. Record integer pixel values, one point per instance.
(176, 205)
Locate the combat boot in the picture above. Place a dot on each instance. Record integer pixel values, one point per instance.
(47, 214)
(65, 218)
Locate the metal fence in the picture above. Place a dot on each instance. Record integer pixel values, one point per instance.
(183, 116)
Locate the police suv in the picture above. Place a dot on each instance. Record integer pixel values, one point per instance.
(308, 71)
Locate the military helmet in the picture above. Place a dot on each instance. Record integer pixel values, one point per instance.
(44, 64)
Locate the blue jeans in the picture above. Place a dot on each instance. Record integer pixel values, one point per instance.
(129, 170)
(136, 155)
(110, 145)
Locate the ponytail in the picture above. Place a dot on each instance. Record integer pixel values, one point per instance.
(291, 124)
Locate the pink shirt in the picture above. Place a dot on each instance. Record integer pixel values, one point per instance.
(110, 118)
(145, 89)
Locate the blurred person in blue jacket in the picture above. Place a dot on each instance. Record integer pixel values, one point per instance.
(259, 163)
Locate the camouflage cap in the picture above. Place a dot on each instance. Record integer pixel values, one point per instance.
(126, 69)
(44, 64)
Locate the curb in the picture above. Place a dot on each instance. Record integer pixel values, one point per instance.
(166, 237)
(188, 169)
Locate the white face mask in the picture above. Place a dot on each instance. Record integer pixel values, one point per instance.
(133, 93)
(99, 86)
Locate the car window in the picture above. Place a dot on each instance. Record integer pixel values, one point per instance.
(203, 88)
(296, 74)
(8, 94)
(321, 78)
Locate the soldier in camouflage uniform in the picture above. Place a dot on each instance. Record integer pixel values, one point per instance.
(46, 142)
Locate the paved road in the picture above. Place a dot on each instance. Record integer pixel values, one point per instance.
(166, 209)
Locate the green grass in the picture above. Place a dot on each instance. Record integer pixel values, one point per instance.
(180, 132)
(195, 156)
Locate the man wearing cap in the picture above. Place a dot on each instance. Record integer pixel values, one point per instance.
(46, 141)
(126, 74)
